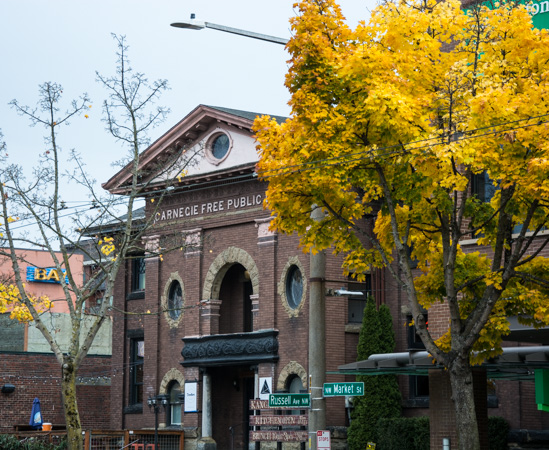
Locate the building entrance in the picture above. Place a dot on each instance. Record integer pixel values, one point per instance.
(232, 390)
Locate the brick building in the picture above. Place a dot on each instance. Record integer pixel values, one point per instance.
(225, 317)
(28, 364)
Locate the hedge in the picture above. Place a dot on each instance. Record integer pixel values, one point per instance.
(412, 433)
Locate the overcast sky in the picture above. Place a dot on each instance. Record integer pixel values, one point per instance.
(67, 41)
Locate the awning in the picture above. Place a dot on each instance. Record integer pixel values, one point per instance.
(515, 363)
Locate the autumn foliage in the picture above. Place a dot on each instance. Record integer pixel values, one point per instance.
(394, 126)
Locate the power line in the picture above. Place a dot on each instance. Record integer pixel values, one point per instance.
(366, 154)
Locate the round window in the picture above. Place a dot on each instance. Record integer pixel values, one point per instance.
(220, 146)
(294, 287)
(175, 300)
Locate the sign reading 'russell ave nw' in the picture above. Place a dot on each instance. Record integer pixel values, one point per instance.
(295, 401)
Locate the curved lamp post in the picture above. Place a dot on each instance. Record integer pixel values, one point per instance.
(194, 24)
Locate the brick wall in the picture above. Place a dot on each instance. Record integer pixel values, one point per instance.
(270, 255)
(39, 375)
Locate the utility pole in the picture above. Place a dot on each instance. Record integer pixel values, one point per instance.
(317, 338)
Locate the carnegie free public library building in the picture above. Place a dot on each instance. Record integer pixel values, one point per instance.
(229, 315)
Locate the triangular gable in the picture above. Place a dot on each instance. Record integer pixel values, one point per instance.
(194, 132)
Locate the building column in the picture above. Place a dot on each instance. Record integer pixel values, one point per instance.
(264, 315)
(206, 442)
(151, 375)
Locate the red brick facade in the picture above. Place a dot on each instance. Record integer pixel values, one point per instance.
(39, 375)
(233, 281)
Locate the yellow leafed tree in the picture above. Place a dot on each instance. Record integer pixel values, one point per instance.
(11, 302)
(416, 131)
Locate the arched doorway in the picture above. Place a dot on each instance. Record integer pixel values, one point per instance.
(235, 314)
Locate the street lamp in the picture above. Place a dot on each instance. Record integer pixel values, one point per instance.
(156, 403)
(317, 294)
(194, 24)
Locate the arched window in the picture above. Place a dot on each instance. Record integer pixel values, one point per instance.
(294, 287)
(174, 391)
(175, 300)
(295, 386)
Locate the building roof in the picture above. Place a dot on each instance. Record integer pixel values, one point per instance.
(247, 114)
(185, 134)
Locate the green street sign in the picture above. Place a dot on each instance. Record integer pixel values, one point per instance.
(343, 389)
(296, 401)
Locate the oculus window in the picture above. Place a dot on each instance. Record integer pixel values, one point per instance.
(218, 147)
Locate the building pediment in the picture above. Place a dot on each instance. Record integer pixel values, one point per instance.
(209, 141)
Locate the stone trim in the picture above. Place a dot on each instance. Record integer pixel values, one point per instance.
(292, 312)
(173, 323)
(292, 368)
(152, 246)
(171, 375)
(210, 307)
(219, 267)
(209, 140)
(193, 241)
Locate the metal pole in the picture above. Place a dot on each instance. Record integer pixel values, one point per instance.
(156, 409)
(200, 25)
(317, 338)
(250, 34)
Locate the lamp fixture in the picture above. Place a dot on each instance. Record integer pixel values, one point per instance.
(195, 24)
(8, 388)
(343, 292)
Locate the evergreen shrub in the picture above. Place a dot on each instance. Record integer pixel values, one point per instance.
(498, 431)
(403, 433)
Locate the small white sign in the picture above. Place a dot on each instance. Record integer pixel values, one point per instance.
(265, 387)
(190, 397)
(323, 440)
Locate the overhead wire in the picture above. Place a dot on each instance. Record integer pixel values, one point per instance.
(366, 154)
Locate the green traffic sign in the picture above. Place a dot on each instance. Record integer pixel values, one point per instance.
(290, 401)
(342, 389)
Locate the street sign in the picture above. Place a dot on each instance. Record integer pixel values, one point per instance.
(323, 440)
(279, 421)
(296, 401)
(342, 389)
(279, 436)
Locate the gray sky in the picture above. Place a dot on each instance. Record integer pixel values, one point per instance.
(67, 41)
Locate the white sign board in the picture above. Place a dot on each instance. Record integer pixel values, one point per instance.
(323, 440)
(265, 387)
(190, 397)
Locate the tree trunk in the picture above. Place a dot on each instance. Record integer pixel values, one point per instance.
(461, 380)
(72, 418)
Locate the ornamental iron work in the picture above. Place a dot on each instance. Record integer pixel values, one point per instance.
(230, 349)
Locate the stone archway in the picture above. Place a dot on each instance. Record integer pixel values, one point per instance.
(292, 368)
(171, 375)
(219, 267)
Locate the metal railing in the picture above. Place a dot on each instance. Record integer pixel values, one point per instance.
(113, 439)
